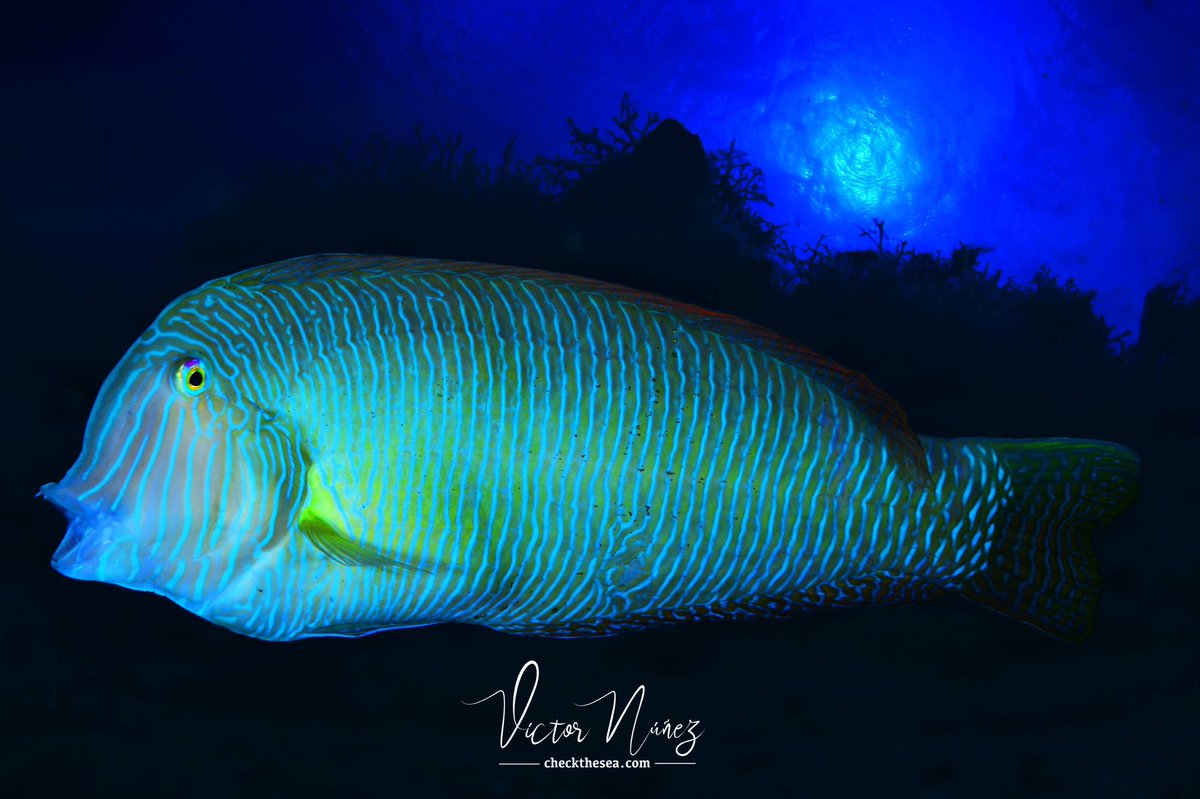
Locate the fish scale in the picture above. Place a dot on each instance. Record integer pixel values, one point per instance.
(373, 443)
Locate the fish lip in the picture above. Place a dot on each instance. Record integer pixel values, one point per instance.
(90, 529)
(64, 499)
(83, 520)
(62, 557)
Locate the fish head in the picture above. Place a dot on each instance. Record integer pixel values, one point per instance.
(188, 480)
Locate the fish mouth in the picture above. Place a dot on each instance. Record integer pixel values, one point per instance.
(89, 530)
(66, 549)
(101, 546)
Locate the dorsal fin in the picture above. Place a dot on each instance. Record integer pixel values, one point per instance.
(851, 385)
(320, 267)
(847, 383)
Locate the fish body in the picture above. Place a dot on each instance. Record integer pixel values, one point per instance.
(336, 445)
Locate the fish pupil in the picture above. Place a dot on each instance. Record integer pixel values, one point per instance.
(195, 379)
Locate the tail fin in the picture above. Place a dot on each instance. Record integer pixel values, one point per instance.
(1041, 569)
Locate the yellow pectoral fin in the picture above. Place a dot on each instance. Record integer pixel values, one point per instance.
(343, 549)
(322, 523)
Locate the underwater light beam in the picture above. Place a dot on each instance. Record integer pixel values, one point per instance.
(858, 161)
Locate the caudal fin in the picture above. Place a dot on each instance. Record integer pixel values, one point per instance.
(1041, 569)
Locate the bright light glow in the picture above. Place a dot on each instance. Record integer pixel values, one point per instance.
(1019, 125)
(857, 161)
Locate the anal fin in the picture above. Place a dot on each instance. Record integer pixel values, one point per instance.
(881, 588)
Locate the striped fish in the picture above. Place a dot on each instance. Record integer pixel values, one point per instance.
(338, 444)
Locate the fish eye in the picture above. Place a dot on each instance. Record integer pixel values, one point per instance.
(191, 376)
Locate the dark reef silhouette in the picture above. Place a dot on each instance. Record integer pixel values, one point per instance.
(644, 204)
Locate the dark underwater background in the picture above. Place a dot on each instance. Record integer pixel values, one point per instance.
(989, 209)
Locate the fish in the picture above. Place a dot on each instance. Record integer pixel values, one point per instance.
(335, 445)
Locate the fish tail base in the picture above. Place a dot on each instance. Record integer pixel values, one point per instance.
(1041, 569)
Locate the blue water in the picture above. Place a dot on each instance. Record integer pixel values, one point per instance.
(1061, 133)
(1057, 132)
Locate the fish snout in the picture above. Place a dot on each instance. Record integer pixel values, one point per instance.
(96, 546)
